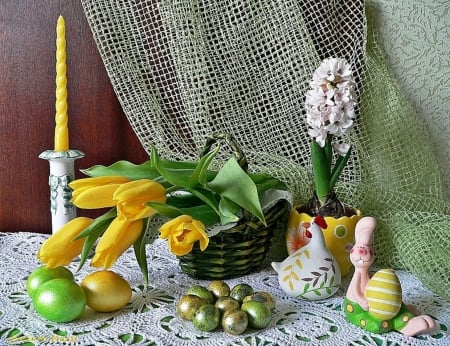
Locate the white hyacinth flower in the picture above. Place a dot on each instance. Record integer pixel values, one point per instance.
(320, 134)
(330, 113)
(330, 101)
(332, 71)
(341, 148)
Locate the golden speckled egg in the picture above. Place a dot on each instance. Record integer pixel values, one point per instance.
(384, 294)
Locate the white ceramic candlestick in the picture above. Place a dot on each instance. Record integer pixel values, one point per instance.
(62, 172)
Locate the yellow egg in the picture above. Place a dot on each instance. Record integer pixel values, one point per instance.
(384, 294)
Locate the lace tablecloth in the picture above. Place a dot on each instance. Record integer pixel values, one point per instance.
(150, 317)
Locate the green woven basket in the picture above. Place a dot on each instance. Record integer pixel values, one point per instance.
(236, 251)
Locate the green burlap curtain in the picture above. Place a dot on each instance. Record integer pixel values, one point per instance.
(185, 69)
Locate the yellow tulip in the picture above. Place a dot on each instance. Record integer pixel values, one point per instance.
(96, 181)
(182, 232)
(118, 237)
(97, 192)
(131, 198)
(60, 249)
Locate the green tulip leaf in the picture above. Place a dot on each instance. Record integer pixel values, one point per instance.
(208, 197)
(165, 210)
(93, 232)
(199, 176)
(183, 200)
(177, 177)
(170, 164)
(228, 211)
(233, 183)
(266, 182)
(90, 241)
(202, 212)
(140, 252)
(124, 168)
(106, 217)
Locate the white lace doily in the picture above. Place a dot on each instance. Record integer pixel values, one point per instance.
(150, 317)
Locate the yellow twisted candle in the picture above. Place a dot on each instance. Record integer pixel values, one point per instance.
(61, 118)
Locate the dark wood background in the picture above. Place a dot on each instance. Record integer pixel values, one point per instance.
(97, 125)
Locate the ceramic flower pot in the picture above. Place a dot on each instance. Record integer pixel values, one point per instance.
(339, 235)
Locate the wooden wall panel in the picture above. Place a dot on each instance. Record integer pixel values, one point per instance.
(97, 124)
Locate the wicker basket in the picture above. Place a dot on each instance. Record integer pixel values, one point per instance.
(238, 250)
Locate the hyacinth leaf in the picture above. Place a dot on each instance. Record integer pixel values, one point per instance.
(228, 211)
(124, 168)
(328, 151)
(202, 212)
(199, 176)
(233, 183)
(177, 177)
(339, 166)
(321, 171)
(93, 232)
(140, 253)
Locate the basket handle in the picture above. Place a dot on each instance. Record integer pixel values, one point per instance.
(234, 146)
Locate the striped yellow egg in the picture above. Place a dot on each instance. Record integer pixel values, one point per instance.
(384, 294)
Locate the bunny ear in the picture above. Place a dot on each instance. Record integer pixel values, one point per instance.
(364, 230)
(320, 221)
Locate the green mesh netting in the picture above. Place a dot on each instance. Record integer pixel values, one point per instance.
(183, 70)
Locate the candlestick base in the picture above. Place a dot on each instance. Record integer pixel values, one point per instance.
(62, 172)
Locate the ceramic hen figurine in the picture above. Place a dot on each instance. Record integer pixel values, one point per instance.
(311, 272)
(375, 304)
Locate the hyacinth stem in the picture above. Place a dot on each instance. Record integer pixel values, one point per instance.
(321, 162)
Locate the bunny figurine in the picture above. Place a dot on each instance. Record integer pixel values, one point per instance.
(375, 303)
(311, 272)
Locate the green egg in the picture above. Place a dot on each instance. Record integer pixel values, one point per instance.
(262, 297)
(219, 288)
(206, 318)
(202, 292)
(227, 303)
(259, 315)
(234, 322)
(240, 291)
(187, 306)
